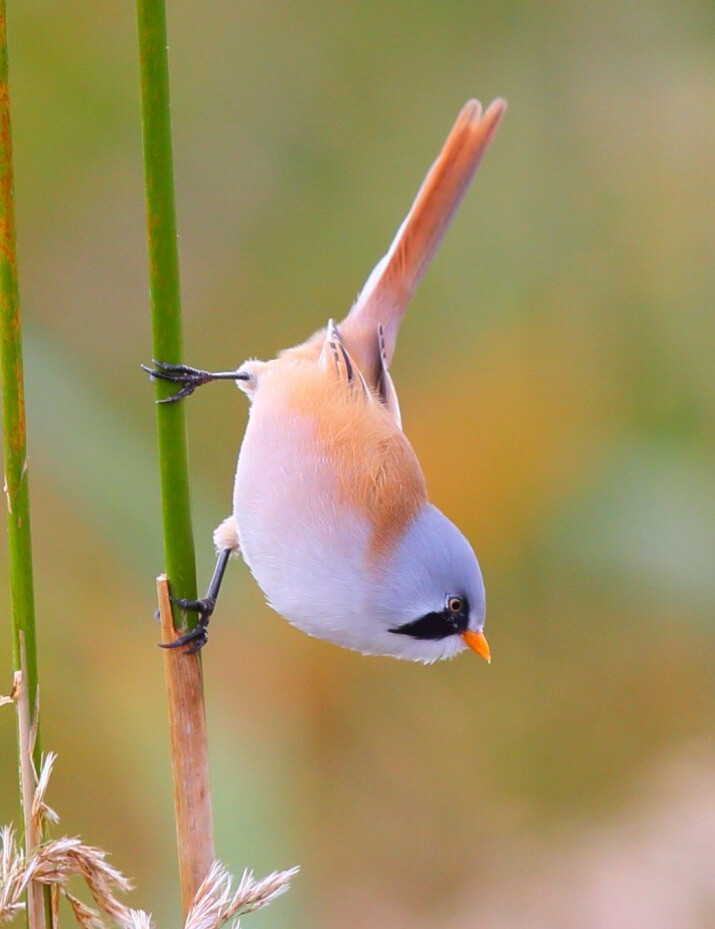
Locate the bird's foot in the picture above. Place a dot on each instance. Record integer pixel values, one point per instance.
(197, 637)
(187, 377)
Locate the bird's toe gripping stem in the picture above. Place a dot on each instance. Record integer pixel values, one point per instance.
(188, 378)
(185, 376)
(197, 637)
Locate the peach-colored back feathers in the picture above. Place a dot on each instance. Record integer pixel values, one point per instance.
(377, 472)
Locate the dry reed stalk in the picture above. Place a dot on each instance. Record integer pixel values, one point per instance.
(28, 785)
(189, 757)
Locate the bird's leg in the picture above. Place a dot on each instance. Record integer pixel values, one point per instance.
(197, 637)
(189, 378)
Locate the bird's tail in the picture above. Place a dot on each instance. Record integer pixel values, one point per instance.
(387, 291)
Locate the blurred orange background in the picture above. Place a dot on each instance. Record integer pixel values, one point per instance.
(557, 380)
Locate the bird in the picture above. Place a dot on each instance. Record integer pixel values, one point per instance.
(330, 508)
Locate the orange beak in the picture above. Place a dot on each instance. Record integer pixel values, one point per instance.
(478, 643)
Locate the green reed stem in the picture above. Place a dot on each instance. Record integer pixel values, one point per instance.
(17, 493)
(22, 598)
(165, 298)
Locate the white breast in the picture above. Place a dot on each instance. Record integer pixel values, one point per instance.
(305, 550)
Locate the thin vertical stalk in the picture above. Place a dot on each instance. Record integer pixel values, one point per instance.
(17, 493)
(28, 783)
(165, 298)
(187, 729)
(22, 598)
(188, 742)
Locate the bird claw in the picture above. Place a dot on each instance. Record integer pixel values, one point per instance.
(189, 378)
(197, 637)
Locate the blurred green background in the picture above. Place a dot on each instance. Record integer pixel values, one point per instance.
(557, 380)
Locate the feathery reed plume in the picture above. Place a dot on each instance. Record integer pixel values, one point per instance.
(215, 904)
(54, 862)
(11, 875)
(57, 861)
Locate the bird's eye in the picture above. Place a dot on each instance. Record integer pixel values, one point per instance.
(455, 605)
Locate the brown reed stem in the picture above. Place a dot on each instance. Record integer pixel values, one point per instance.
(28, 783)
(189, 757)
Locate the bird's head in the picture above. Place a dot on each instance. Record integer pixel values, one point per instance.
(432, 593)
